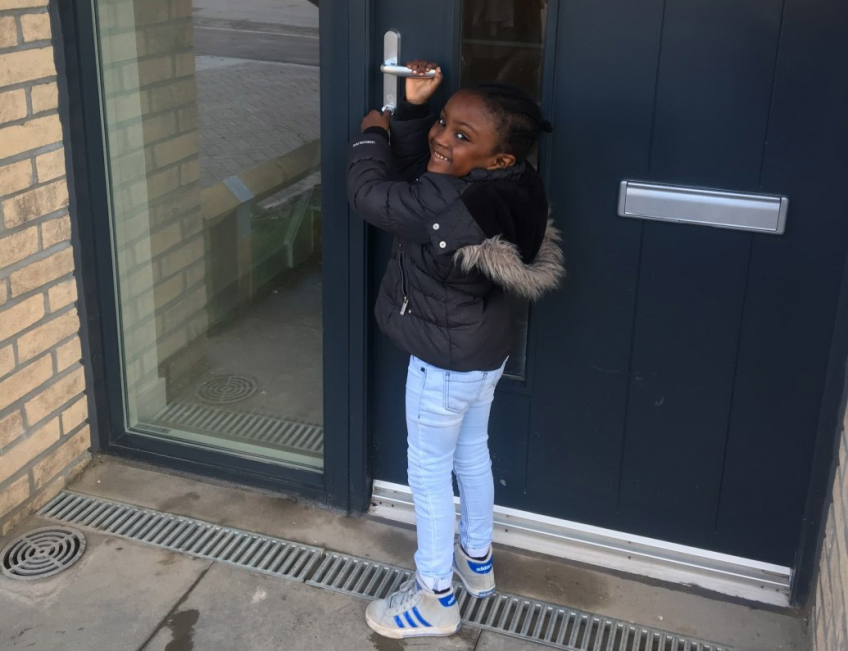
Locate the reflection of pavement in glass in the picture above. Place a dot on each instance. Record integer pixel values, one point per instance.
(252, 111)
(277, 341)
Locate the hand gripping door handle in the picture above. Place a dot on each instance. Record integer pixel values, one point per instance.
(391, 70)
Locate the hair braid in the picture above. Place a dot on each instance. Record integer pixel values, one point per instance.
(518, 116)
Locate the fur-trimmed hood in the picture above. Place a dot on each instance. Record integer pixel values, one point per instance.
(501, 262)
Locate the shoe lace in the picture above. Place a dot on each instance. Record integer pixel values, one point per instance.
(405, 594)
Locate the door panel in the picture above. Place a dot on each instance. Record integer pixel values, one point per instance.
(674, 383)
(793, 287)
(584, 332)
(713, 94)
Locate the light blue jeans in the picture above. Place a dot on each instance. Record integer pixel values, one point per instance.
(447, 418)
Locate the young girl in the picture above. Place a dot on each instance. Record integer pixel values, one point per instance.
(471, 224)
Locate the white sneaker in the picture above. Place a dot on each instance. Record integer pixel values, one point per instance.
(478, 576)
(414, 611)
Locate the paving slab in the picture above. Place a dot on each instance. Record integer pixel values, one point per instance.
(236, 609)
(113, 598)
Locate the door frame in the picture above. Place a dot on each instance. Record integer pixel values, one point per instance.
(345, 481)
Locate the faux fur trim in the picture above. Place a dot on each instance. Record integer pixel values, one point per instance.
(500, 261)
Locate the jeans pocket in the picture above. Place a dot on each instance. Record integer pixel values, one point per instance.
(459, 395)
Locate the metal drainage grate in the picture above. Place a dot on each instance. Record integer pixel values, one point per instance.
(528, 619)
(256, 428)
(259, 553)
(225, 389)
(42, 552)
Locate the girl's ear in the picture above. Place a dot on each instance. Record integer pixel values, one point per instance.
(502, 161)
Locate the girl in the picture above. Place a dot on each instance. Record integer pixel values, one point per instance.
(471, 224)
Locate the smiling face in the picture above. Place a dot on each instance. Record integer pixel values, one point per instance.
(465, 137)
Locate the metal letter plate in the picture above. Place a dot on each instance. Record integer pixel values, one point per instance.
(758, 213)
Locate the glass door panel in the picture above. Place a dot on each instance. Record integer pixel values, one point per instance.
(211, 117)
(504, 41)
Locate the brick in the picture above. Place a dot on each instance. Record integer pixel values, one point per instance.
(176, 149)
(159, 126)
(51, 165)
(26, 65)
(35, 27)
(178, 93)
(55, 231)
(21, 4)
(190, 252)
(27, 449)
(12, 496)
(15, 177)
(56, 395)
(62, 294)
(17, 246)
(20, 316)
(67, 354)
(11, 427)
(45, 97)
(13, 105)
(7, 360)
(46, 336)
(40, 273)
(8, 31)
(190, 172)
(3, 292)
(61, 457)
(35, 203)
(18, 138)
(184, 64)
(169, 37)
(24, 381)
(154, 70)
(75, 415)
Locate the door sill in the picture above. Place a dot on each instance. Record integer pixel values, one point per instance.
(722, 573)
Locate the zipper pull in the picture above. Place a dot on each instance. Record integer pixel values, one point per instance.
(404, 306)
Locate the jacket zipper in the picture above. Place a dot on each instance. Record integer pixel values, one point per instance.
(405, 305)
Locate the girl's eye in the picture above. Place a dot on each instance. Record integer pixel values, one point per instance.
(461, 136)
(442, 122)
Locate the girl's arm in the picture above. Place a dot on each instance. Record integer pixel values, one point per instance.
(408, 210)
(410, 129)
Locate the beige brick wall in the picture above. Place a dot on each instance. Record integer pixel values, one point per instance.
(44, 432)
(829, 623)
(151, 122)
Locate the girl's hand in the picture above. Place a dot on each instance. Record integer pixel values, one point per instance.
(419, 90)
(376, 119)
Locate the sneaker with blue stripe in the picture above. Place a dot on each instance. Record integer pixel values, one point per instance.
(477, 575)
(414, 611)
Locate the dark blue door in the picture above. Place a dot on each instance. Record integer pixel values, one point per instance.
(673, 388)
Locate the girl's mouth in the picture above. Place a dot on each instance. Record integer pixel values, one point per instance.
(440, 157)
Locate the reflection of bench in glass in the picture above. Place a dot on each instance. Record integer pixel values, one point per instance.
(249, 244)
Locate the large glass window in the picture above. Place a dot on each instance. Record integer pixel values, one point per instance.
(503, 40)
(211, 119)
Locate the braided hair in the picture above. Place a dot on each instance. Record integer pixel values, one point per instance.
(518, 117)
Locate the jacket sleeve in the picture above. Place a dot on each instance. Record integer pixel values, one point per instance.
(404, 209)
(409, 140)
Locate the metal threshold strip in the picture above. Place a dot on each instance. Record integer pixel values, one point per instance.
(730, 575)
(527, 619)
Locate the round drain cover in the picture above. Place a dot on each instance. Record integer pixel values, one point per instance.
(225, 389)
(42, 552)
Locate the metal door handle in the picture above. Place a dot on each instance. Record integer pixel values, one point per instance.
(403, 71)
(391, 70)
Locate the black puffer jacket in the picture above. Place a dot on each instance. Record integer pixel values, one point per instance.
(460, 244)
